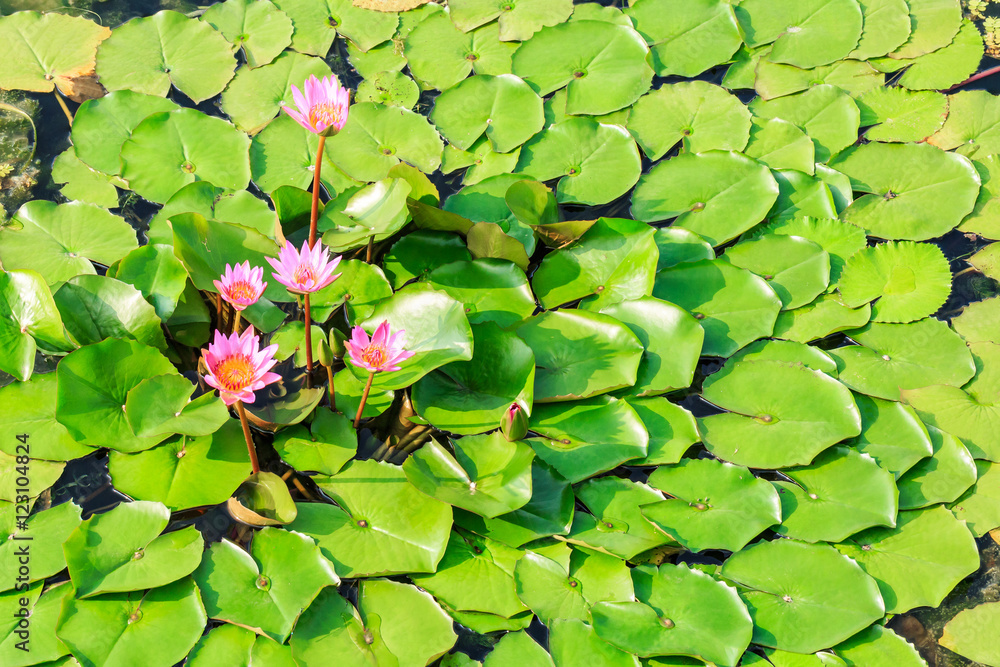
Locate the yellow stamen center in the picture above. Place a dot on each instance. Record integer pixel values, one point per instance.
(304, 274)
(241, 291)
(374, 355)
(235, 372)
(327, 113)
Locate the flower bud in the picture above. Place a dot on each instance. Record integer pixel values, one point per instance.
(514, 424)
(337, 338)
(325, 353)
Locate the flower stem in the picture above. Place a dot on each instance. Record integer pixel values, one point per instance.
(368, 255)
(364, 398)
(309, 349)
(333, 397)
(315, 202)
(246, 434)
(236, 322)
(218, 310)
(65, 109)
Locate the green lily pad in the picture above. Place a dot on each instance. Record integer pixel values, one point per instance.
(30, 317)
(672, 339)
(718, 195)
(549, 512)
(678, 245)
(613, 261)
(518, 21)
(385, 57)
(891, 433)
(840, 493)
(934, 24)
(698, 115)
(162, 405)
(804, 34)
(602, 65)
(42, 51)
(383, 528)
(905, 183)
(113, 629)
(706, 617)
(595, 163)
(123, 550)
(503, 107)
(192, 57)
(60, 241)
(825, 112)
(487, 474)
(376, 138)
(348, 390)
(615, 524)
(801, 195)
(190, 321)
(81, 183)
(268, 588)
(440, 55)
(583, 438)
(157, 274)
(780, 145)
(259, 28)
(948, 66)
(803, 597)
(239, 207)
(973, 125)
(797, 269)
(518, 648)
(30, 407)
(405, 623)
(43, 475)
(330, 629)
(955, 411)
(572, 641)
(984, 219)
(734, 306)
(970, 633)
(328, 444)
(96, 307)
(787, 351)
(492, 290)
(390, 89)
(880, 647)
(482, 161)
(262, 500)
(232, 645)
(579, 354)
(376, 211)
(46, 530)
(917, 563)
(170, 149)
(822, 317)
(779, 414)
(894, 357)
(317, 24)
(712, 504)
(185, 471)
(672, 429)
(899, 115)
(360, 287)
(978, 506)
(975, 323)
(839, 239)
(421, 252)
(487, 240)
(886, 28)
(777, 79)
(256, 95)
(909, 280)
(43, 645)
(284, 153)
(940, 478)
(94, 383)
(686, 38)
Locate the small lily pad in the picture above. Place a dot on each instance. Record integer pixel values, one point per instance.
(440, 55)
(30, 318)
(493, 290)
(94, 308)
(940, 478)
(824, 316)
(978, 506)
(777, 79)
(259, 28)
(518, 21)
(257, 93)
(797, 269)
(503, 107)
(969, 633)
(880, 647)
(390, 89)
(891, 433)
(44, 532)
(896, 114)
(615, 524)
(317, 24)
(825, 112)
(973, 125)
(780, 145)
(805, 34)
(419, 631)
(686, 38)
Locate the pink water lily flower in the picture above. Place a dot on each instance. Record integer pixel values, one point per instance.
(305, 271)
(322, 106)
(237, 367)
(241, 286)
(382, 353)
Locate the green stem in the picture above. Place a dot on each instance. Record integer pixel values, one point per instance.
(246, 434)
(364, 399)
(314, 215)
(309, 349)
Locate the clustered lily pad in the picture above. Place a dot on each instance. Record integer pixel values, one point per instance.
(640, 346)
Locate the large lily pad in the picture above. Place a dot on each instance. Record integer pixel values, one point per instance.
(915, 191)
(440, 55)
(970, 633)
(259, 28)
(518, 21)
(268, 588)
(934, 24)
(734, 306)
(713, 505)
(97, 307)
(30, 407)
(405, 623)
(718, 195)
(940, 478)
(317, 24)
(595, 163)
(897, 114)
(973, 125)
(602, 65)
(504, 108)
(780, 414)
(30, 317)
(493, 290)
(615, 524)
(192, 56)
(803, 597)
(686, 38)
(804, 34)
(797, 269)
(672, 429)
(579, 354)
(825, 112)
(878, 646)
(384, 528)
(891, 433)
(917, 563)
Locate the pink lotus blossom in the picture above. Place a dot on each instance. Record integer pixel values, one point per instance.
(237, 367)
(241, 286)
(381, 353)
(323, 106)
(306, 271)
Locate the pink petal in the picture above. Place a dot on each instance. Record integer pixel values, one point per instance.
(381, 334)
